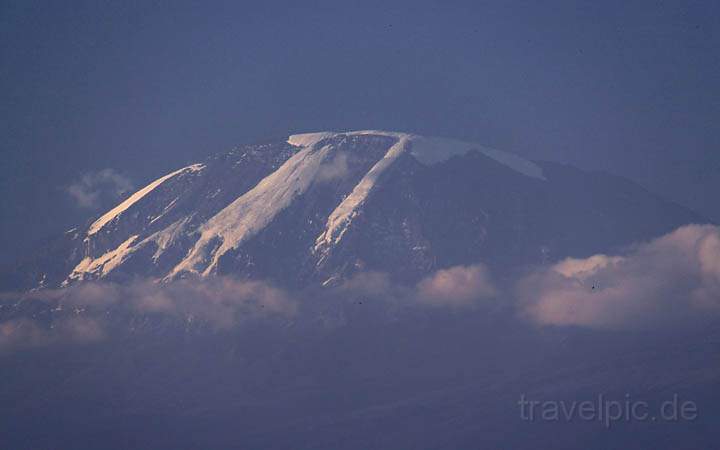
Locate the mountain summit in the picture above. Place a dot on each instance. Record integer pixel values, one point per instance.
(319, 206)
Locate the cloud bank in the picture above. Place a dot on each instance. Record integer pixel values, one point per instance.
(25, 333)
(671, 280)
(80, 313)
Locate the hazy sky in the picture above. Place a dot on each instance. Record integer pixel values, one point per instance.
(626, 86)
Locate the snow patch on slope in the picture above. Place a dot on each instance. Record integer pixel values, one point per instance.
(165, 210)
(340, 219)
(309, 139)
(119, 209)
(163, 239)
(252, 211)
(104, 264)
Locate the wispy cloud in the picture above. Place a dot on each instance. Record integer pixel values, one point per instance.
(334, 169)
(88, 191)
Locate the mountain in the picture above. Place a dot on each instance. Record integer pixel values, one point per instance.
(306, 356)
(317, 207)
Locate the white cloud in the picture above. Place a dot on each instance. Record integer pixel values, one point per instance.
(373, 284)
(223, 302)
(456, 286)
(670, 280)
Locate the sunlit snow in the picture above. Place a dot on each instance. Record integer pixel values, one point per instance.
(252, 211)
(103, 264)
(119, 209)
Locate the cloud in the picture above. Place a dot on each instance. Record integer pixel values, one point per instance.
(674, 279)
(92, 187)
(80, 329)
(335, 169)
(222, 302)
(79, 312)
(17, 334)
(372, 284)
(457, 287)
(21, 333)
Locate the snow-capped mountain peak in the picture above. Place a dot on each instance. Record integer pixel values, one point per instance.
(430, 150)
(323, 205)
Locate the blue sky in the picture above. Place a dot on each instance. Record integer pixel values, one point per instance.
(142, 88)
